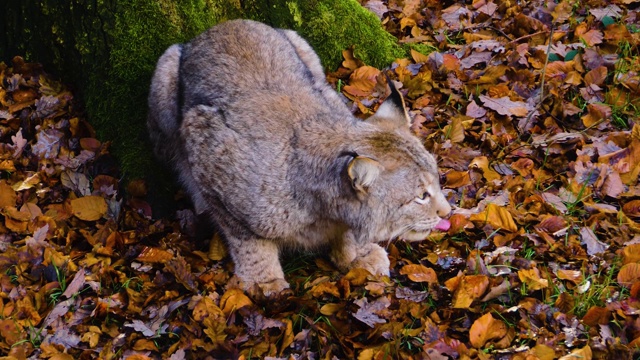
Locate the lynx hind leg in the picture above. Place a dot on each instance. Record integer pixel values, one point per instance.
(256, 263)
(371, 257)
(163, 119)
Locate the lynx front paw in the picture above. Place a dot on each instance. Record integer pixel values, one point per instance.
(274, 287)
(372, 258)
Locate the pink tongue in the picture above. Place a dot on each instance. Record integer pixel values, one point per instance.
(443, 225)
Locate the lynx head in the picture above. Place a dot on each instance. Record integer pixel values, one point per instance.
(395, 178)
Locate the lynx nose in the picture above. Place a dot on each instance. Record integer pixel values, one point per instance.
(444, 209)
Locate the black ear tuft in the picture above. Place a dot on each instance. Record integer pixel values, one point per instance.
(395, 97)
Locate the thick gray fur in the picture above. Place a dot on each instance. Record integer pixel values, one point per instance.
(266, 148)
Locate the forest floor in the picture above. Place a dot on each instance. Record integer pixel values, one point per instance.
(533, 110)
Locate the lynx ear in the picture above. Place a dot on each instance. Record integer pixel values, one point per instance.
(392, 112)
(363, 172)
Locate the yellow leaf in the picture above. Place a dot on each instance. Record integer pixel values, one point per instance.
(233, 300)
(89, 208)
(418, 57)
(217, 248)
(482, 163)
(455, 130)
(496, 216)
(531, 278)
(484, 329)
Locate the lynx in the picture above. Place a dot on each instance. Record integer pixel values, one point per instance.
(267, 149)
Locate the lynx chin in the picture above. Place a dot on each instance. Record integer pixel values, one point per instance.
(266, 148)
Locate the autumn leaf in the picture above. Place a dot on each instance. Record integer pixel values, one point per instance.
(496, 216)
(484, 329)
(505, 106)
(471, 288)
(531, 278)
(89, 208)
(629, 274)
(419, 273)
(232, 300)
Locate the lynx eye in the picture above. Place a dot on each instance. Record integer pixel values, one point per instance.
(423, 198)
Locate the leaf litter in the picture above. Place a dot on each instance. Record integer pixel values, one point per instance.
(533, 111)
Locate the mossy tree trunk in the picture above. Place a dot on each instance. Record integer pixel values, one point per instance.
(108, 50)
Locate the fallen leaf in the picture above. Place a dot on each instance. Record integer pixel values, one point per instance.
(89, 208)
(484, 329)
(419, 273)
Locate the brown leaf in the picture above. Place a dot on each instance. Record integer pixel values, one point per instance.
(597, 113)
(596, 76)
(596, 315)
(579, 354)
(505, 106)
(574, 276)
(179, 267)
(154, 255)
(484, 329)
(629, 274)
(592, 37)
(419, 273)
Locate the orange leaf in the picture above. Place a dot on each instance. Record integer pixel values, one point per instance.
(631, 253)
(89, 208)
(471, 287)
(496, 216)
(327, 287)
(418, 57)
(8, 196)
(362, 81)
(419, 273)
(629, 274)
(484, 329)
(456, 179)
